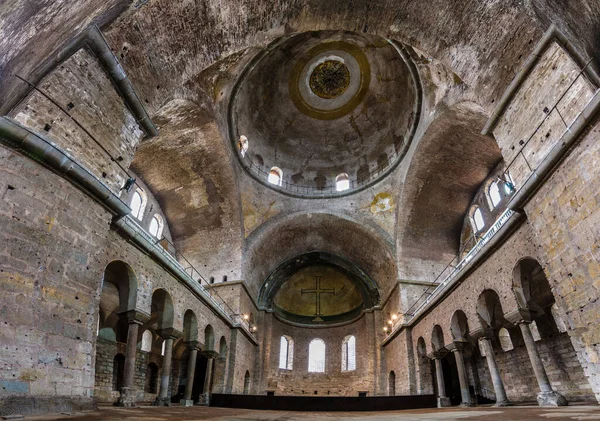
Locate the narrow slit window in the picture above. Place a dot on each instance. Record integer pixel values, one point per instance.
(286, 353)
(316, 356)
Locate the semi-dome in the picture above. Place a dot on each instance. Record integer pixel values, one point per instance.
(324, 113)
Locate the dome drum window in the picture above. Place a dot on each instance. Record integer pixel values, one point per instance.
(342, 182)
(156, 226)
(275, 176)
(243, 145)
(138, 204)
(477, 221)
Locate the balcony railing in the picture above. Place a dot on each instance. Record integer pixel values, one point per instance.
(451, 270)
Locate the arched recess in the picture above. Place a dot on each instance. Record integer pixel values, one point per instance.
(119, 289)
(246, 383)
(459, 326)
(392, 383)
(489, 311)
(209, 339)
(119, 292)
(447, 168)
(532, 292)
(363, 282)
(437, 338)
(367, 247)
(162, 311)
(220, 369)
(190, 326)
(424, 374)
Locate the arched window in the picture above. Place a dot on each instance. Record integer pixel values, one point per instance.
(138, 204)
(243, 145)
(342, 182)
(349, 353)
(477, 221)
(286, 353)
(275, 176)
(156, 226)
(494, 194)
(316, 356)
(505, 340)
(147, 341)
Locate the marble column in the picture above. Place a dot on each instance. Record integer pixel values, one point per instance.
(191, 372)
(463, 379)
(205, 397)
(127, 392)
(546, 396)
(501, 398)
(442, 399)
(163, 398)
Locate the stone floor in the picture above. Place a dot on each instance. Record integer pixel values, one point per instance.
(516, 413)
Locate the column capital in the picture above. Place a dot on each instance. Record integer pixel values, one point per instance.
(518, 316)
(482, 333)
(191, 345)
(135, 316)
(168, 333)
(437, 355)
(210, 354)
(456, 346)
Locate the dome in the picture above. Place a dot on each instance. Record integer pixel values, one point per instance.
(315, 108)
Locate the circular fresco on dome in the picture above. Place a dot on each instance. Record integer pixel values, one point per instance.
(330, 79)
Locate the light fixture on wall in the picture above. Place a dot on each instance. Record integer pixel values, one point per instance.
(392, 319)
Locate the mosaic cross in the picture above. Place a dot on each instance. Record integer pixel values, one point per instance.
(318, 291)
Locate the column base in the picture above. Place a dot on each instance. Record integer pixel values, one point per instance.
(551, 399)
(443, 402)
(162, 401)
(186, 402)
(127, 398)
(204, 399)
(503, 403)
(469, 404)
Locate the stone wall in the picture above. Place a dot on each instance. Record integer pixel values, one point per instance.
(334, 381)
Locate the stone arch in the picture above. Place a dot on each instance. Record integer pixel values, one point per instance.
(437, 338)
(530, 285)
(209, 338)
(120, 275)
(489, 310)
(436, 206)
(321, 232)
(162, 312)
(424, 375)
(190, 326)
(459, 326)
(392, 383)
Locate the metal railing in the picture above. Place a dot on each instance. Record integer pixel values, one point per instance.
(329, 189)
(440, 283)
(475, 244)
(180, 261)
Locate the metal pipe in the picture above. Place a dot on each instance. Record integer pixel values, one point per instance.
(94, 40)
(45, 152)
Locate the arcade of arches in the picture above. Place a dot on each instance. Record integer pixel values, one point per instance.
(207, 199)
